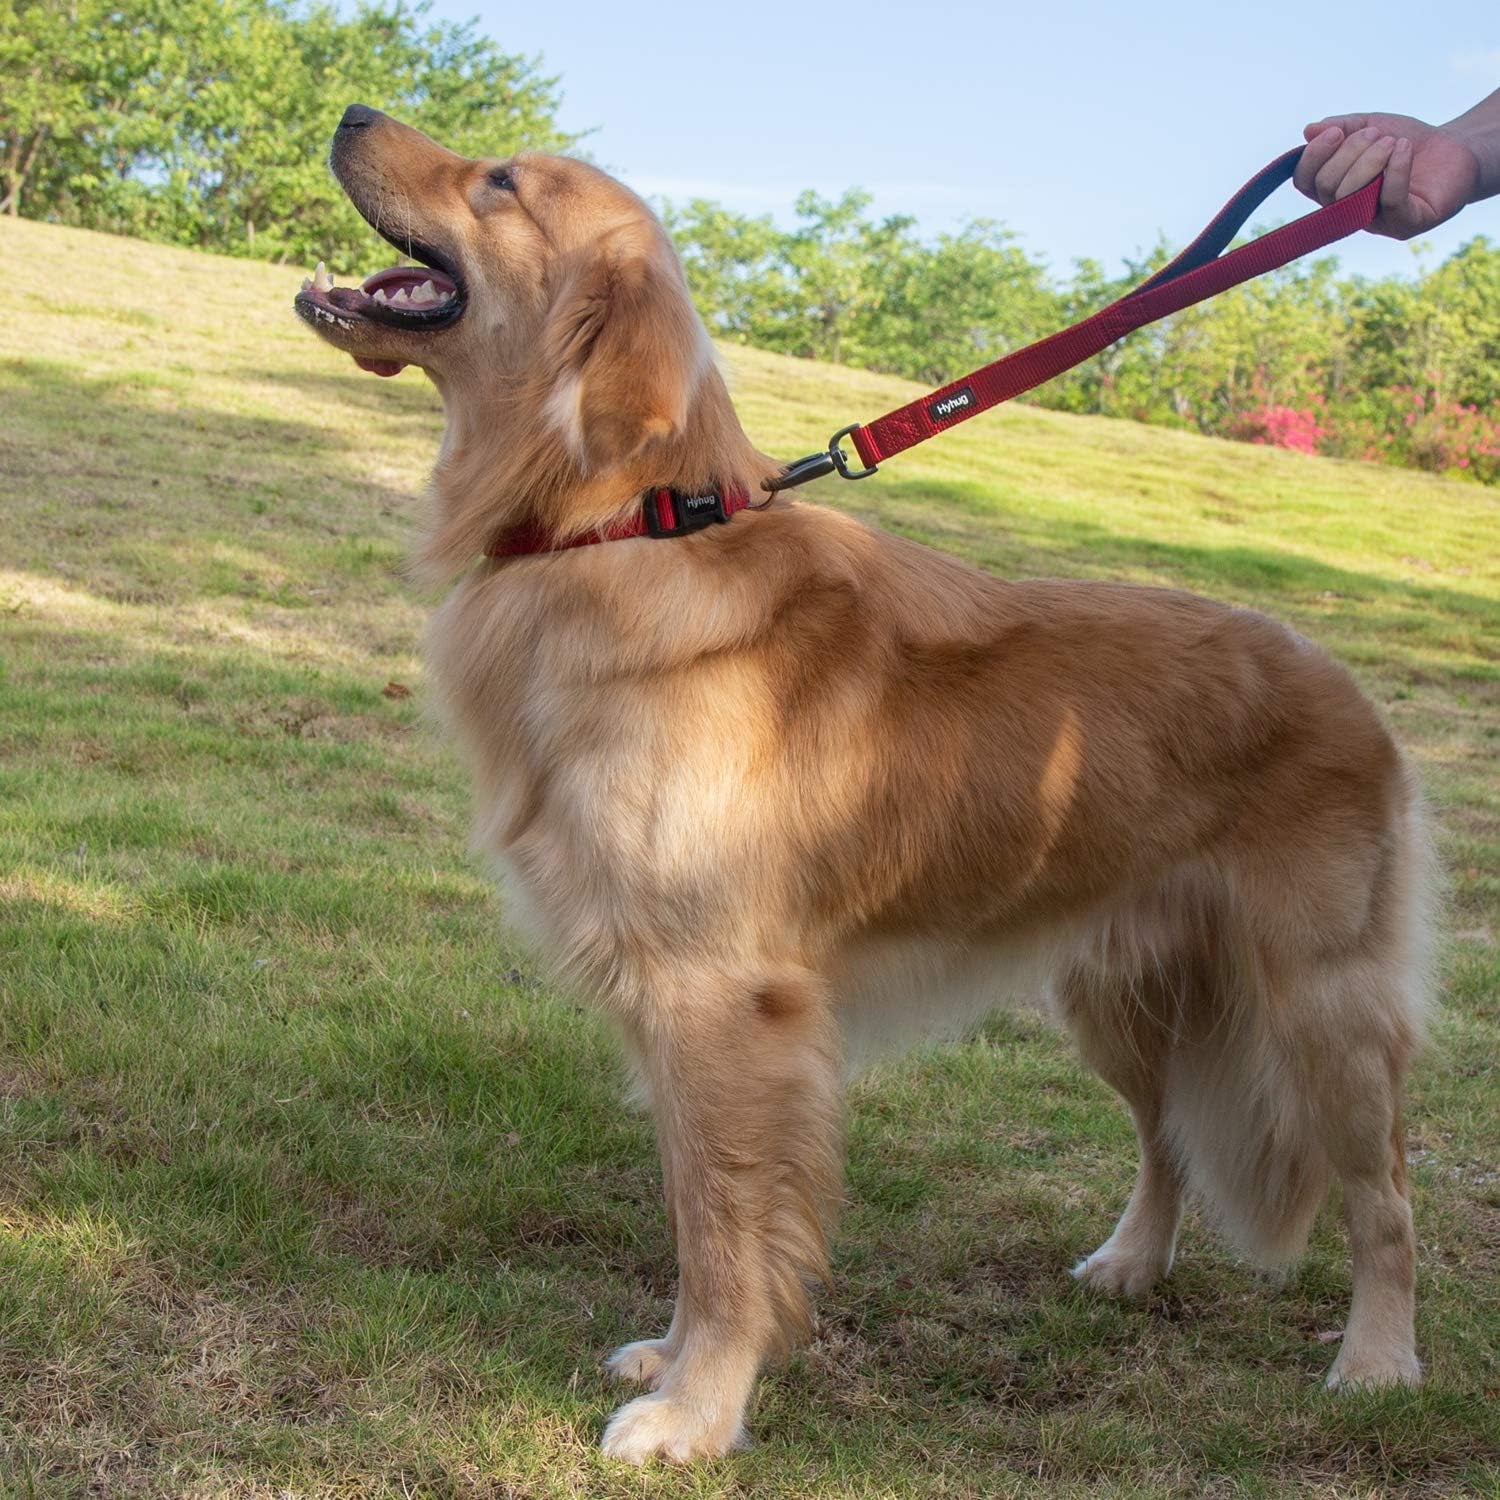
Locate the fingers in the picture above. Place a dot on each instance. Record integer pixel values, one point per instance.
(1396, 188)
(1371, 162)
(1360, 159)
(1345, 124)
(1315, 156)
(1397, 217)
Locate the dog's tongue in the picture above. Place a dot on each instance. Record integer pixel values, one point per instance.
(380, 366)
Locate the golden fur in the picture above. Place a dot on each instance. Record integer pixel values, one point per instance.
(789, 788)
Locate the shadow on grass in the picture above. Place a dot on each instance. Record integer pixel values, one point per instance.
(409, 395)
(55, 398)
(149, 499)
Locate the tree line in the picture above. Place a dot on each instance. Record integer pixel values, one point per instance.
(206, 123)
(1397, 369)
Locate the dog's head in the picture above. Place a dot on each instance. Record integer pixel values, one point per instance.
(545, 291)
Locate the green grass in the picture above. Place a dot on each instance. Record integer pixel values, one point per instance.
(308, 1185)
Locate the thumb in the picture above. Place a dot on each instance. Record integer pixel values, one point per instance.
(1347, 123)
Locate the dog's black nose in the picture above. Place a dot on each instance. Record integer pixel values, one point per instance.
(357, 116)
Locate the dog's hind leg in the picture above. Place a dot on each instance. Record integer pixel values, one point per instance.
(1122, 1031)
(1361, 1117)
(745, 1090)
(1379, 1344)
(1330, 1064)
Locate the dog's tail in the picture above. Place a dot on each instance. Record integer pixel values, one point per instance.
(1262, 1107)
(1246, 1149)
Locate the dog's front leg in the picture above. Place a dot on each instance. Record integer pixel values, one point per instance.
(744, 1082)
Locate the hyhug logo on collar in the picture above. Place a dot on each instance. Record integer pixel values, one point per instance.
(954, 404)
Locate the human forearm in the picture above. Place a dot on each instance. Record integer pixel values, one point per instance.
(1479, 130)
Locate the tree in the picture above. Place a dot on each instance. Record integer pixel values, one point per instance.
(847, 288)
(1458, 322)
(206, 122)
(964, 300)
(735, 270)
(59, 68)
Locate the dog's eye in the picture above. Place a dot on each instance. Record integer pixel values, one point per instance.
(502, 179)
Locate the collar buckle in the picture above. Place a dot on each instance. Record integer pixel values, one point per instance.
(688, 512)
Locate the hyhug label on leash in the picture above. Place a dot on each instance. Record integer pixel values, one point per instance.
(1201, 271)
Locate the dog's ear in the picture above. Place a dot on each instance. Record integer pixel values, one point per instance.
(625, 349)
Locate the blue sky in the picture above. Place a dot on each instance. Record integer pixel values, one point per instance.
(1086, 128)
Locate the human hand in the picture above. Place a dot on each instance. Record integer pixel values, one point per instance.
(1429, 173)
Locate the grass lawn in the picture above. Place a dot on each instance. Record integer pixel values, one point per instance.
(309, 1186)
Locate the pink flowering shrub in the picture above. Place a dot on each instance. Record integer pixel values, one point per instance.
(1397, 425)
(1292, 427)
(1444, 436)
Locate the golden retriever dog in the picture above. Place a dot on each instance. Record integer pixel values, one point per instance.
(776, 791)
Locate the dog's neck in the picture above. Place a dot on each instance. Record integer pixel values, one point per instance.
(503, 464)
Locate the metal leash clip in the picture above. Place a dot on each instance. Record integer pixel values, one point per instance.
(831, 460)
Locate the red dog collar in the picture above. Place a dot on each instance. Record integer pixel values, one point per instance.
(663, 513)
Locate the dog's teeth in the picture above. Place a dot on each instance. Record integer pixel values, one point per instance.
(400, 299)
(307, 283)
(321, 279)
(425, 293)
(378, 295)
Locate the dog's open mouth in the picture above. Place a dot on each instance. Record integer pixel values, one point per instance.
(414, 299)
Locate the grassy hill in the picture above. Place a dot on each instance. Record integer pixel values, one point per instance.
(308, 1186)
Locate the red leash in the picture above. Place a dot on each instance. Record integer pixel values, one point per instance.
(1200, 272)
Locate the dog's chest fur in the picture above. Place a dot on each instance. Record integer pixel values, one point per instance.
(611, 761)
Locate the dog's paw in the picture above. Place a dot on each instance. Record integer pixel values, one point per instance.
(645, 1362)
(662, 1426)
(1356, 1371)
(1121, 1273)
